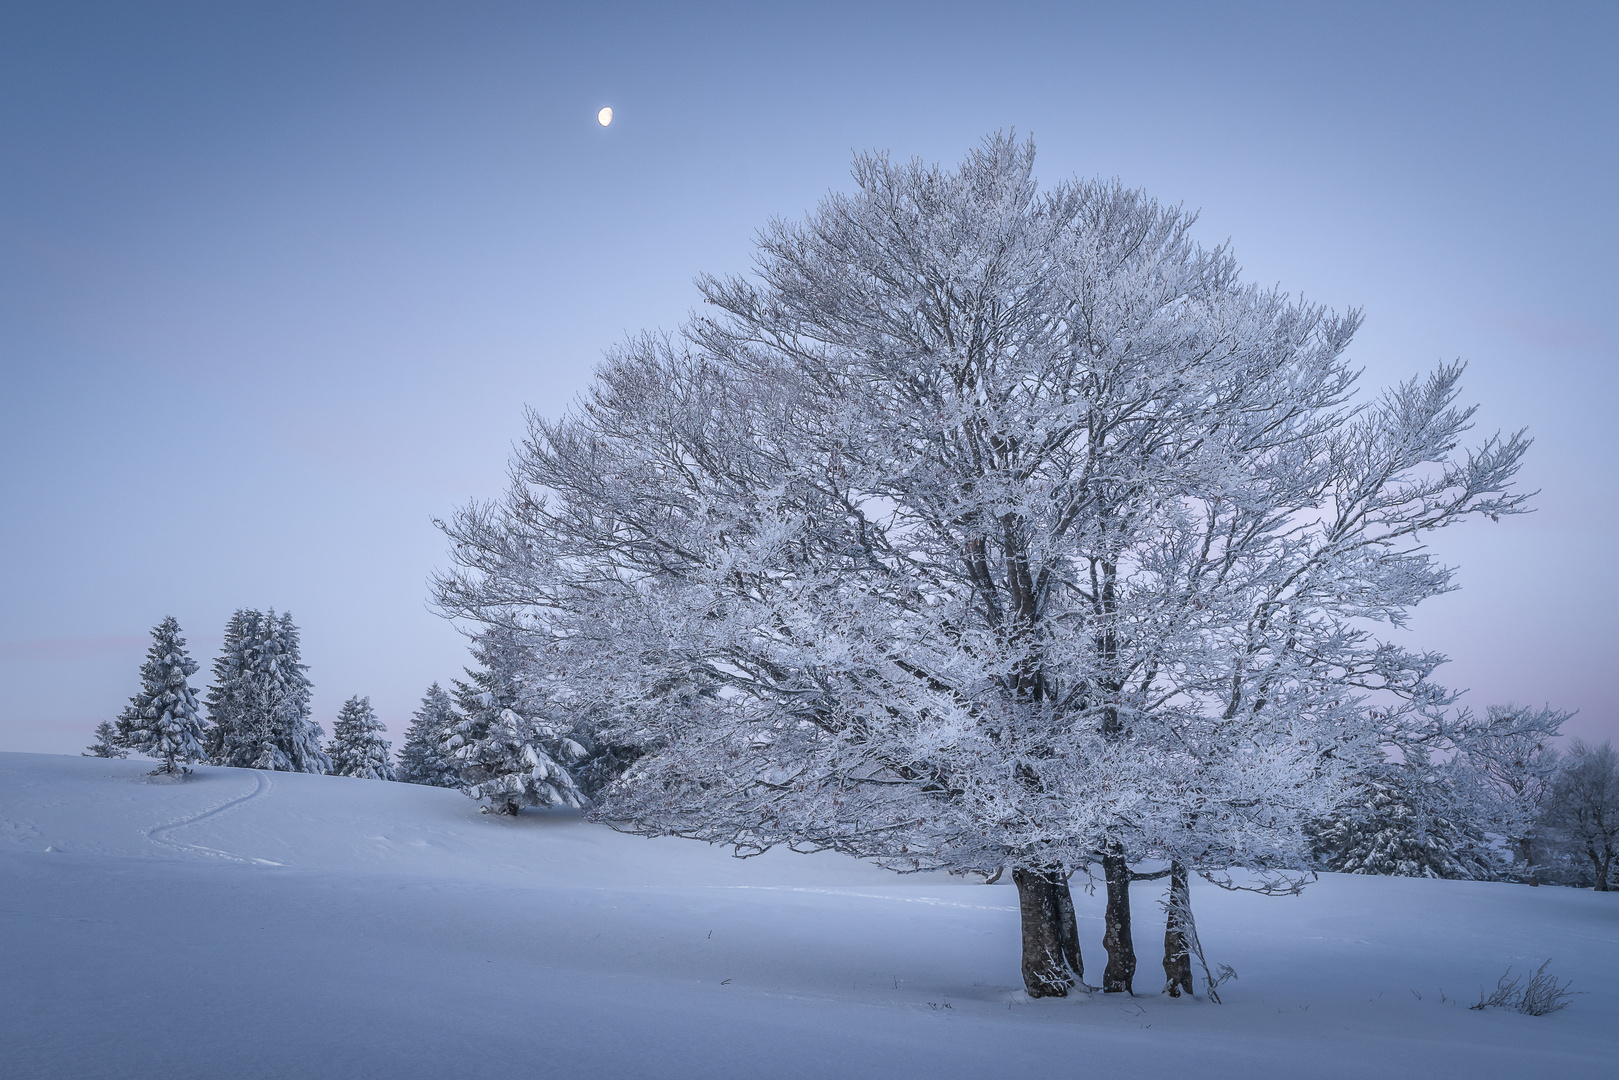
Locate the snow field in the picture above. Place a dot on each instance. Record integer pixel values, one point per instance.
(251, 924)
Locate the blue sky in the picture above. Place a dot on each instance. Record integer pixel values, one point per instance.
(277, 281)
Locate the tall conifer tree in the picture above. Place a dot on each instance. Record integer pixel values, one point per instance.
(259, 701)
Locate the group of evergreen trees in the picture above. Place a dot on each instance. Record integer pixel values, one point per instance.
(486, 741)
(257, 707)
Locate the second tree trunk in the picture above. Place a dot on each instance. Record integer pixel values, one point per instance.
(1119, 975)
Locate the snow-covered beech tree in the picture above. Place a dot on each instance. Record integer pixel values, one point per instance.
(259, 700)
(106, 744)
(1511, 753)
(509, 761)
(1581, 813)
(357, 747)
(985, 528)
(421, 759)
(163, 720)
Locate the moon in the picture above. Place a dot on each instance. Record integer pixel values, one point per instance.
(605, 117)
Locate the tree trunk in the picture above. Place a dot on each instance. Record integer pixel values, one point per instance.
(1119, 975)
(1050, 935)
(1177, 944)
(1601, 865)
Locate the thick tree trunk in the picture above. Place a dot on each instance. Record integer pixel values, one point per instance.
(1177, 941)
(1119, 975)
(1601, 865)
(1050, 934)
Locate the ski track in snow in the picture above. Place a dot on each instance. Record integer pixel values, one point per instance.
(262, 785)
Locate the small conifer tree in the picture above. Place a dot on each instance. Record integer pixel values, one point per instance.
(357, 747)
(1405, 826)
(106, 744)
(421, 759)
(163, 720)
(515, 762)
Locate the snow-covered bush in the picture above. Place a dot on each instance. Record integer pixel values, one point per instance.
(357, 747)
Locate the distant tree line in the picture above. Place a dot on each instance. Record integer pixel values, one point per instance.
(1493, 799)
(488, 740)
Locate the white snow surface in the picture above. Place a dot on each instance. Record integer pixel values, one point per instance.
(250, 924)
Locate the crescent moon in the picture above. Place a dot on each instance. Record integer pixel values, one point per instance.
(605, 117)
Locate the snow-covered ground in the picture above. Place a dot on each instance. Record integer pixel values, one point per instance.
(245, 924)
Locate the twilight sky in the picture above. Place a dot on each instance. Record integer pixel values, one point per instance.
(277, 280)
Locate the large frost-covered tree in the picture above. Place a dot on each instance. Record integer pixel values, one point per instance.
(163, 720)
(984, 528)
(259, 700)
(357, 747)
(422, 759)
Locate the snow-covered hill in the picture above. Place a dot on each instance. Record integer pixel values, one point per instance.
(245, 924)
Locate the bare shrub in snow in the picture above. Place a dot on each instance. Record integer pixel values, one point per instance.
(1540, 996)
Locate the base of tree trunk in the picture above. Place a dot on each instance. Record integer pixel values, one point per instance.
(1177, 945)
(1119, 975)
(1051, 961)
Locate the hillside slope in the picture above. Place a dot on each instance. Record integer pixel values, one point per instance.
(257, 925)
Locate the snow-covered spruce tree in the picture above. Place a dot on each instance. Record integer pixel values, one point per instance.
(106, 744)
(259, 700)
(1408, 820)
(421, 759)
(503, 757)
(226, 698)
(985, 528)
(357, 747)
(163, 720)
(1581, 814)
(513, 762)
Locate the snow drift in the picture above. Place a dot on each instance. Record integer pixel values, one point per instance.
(253, 924)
